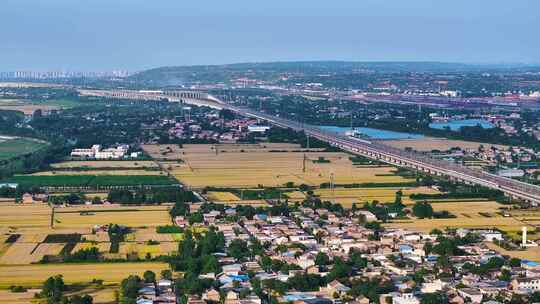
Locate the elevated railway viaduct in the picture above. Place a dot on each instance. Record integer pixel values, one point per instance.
(516, 189)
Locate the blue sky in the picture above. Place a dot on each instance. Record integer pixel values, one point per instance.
(137, 34)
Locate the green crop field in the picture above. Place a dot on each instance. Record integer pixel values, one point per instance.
(90, 180)
(19, 146)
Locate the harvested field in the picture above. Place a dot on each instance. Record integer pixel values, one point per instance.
(143, 249)
(145, 235)
(202, 167)
(348, 196)
(133, 218)
(100, 294)
(32, 237)
(113, 208)
(102, 247)
(19, 253)
(531, 253)
(6, 296)
(432, 143)
(296, 195)
(173, 152)
(47, 249)
(100, 172)
(26, 253)
(35, 275)
(503, 223)
(24, 215)
(254, 203)
(94, 164)
(472, 209)
(97, 237)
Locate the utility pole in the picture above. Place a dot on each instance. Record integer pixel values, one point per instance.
(52, 217)
(307, 148)
(352, 131)
(332, 187)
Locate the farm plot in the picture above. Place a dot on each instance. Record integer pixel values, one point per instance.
(174, 152)
(470, 209)
(97, 237)
(106, 164)
(143, 249)
(222, 196)
(132, 217)
(201, 167)
(6, 296)
(19, 253)
(35, 275)
(20, 215)
(507, 224)
(150, 234)
(531, 253)
(442, 144)
(348, 196)
(103, 247)
(46, 249)
(124, 172)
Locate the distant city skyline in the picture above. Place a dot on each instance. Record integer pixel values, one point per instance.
(101, 35)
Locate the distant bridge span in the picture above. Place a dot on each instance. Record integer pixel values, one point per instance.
(377, 151)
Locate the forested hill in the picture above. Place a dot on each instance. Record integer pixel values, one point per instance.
(175, 75)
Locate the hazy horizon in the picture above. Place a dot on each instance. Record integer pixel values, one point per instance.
(137, 34)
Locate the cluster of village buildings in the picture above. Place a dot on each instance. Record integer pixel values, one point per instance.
(393, 257)
(218, 129)
(97, 152)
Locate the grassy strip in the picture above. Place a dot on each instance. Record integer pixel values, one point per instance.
(89, 180)
(372, 185)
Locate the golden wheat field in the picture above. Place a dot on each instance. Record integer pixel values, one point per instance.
(201, 167)
(222, 196)
(100, 294)
(531, 253)
(174, 152)
(36, 274)
(19, 253)
(142, 249)
(103, 247)
(97, 237)
(21, 215)
(148, 234)
(137, 217)
(470, 209)
(253, 203)
(348, 196)
(6, 296)
(503, 223)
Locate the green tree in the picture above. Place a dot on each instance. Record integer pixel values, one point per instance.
(149, 276)
(53, 289)
(322, 259)
(434, 298)
(423, 210)
(238, 249)
(166, 274)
